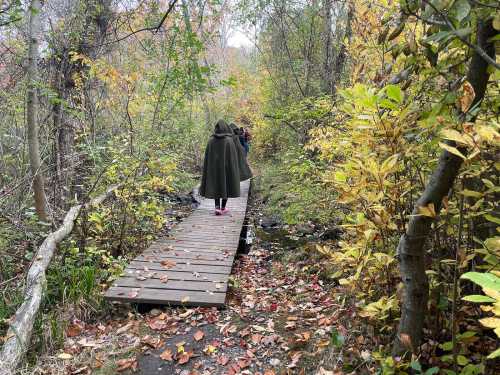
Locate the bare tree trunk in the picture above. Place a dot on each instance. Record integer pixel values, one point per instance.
(411, 252)
(32, 110)
(327, 36)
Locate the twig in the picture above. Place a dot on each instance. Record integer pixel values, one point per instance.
(455, 283)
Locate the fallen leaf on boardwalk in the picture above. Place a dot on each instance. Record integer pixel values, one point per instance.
(141, 278)
(185, 299)
(64, 356)
(127, 363)
(168, 264)
(167, 355)
(185, 357)
(198, 335)
(218, 286)
(133, 294)
(164, 278)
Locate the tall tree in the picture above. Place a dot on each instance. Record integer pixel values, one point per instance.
(411, 251)
(32, 110)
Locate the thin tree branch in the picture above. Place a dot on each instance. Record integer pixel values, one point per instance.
(153, 29)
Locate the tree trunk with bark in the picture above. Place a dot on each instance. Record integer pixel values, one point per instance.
(411, 251)
(32, 110)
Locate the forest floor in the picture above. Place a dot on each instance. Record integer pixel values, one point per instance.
(280, 318)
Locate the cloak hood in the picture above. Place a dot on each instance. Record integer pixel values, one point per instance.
(222, 130)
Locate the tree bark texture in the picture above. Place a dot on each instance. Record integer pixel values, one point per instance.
(32, 110)
(21, 324)
(411, 251)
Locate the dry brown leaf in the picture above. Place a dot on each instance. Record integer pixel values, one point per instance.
(467, 97)
(222, 360)
(64, 356)
(167, 355)
(184, 358)
(127, 363)
(164, 278)
(256, 338)
(73, 330)
(198, 335)
(133, 293)
(167, 264)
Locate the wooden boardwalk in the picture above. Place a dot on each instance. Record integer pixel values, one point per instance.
(192, 265)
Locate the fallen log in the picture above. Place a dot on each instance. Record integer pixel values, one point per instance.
(21, 324)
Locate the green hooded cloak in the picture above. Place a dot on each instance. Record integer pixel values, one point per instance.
(221, 175)
(245, 172)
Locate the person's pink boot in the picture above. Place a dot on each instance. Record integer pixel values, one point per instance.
(218, 212)
(225, 210)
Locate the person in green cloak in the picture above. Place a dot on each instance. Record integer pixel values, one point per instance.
(245, 172)
(221, 174)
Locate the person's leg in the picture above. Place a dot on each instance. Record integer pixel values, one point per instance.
(224, 209)
(218, 210)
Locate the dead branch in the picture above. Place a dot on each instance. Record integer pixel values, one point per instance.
(21, 324)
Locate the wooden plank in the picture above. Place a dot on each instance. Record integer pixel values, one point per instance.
(178, 275)
(196, 247)
(181, 267)
(209, 262)
(200, 255)
(168, 297)
(153, 283)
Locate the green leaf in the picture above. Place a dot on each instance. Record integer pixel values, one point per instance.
(446, 346)
(460, 9)
(477, 298)
(495, 354)
(462, 361)
(484, 280)
(416, 366)
(432, 371)
(394, 93)
(492, 218)
(337, 339)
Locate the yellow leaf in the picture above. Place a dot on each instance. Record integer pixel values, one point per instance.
(452, 150)
(454, 135)
(64, 356)
(490, 322)
(428, 210)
